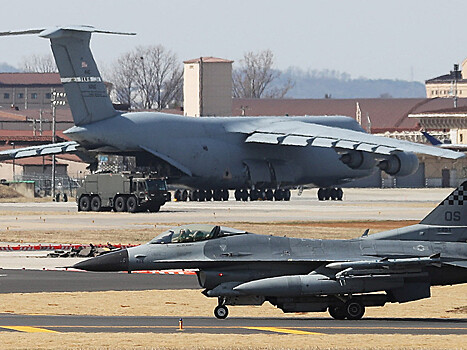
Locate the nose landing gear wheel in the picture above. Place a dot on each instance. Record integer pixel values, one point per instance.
(221, 312)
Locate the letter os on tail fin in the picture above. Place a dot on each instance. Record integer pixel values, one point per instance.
(452, 211)
(86, 92)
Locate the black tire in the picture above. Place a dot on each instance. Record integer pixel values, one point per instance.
(269, 195)
(253, 195)
(154, 208)
(225, 194)
(120, 204)
(340, 194)
(337, 312)
(202, 195)
(278, 195)
(238, 195)
(221, 312)
(333, 194)
(217, 196)
(354, 310)
(208, 195)
(327, 194)
(184, 196)
(194, 196)
(321, 194)
(132, 204)
(96, 203)
(244, 195)
(287, 195)
(84, 203)
(178, 195)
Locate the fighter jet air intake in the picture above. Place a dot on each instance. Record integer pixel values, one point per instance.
(258, 157)
(306, 275)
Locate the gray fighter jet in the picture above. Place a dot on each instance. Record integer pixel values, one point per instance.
(259, 157)
(306, 275)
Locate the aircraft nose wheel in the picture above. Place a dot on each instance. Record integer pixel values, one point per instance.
(221, 312)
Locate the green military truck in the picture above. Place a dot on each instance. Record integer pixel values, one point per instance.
(122, 192)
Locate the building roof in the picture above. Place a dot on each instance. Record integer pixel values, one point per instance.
(385, 114)
(209, 59)
(61, 115)
(30, 79)
(447, 78)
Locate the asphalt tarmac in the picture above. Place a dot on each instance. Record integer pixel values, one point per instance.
(244, 325)
(36, 281)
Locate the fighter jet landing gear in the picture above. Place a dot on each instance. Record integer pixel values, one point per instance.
(334, 194)
(351, 310)
(221, 311)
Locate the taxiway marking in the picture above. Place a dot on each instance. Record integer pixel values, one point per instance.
(28, 329)
(282, 330)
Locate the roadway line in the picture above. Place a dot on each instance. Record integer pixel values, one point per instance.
(28, 329)
(282, 330)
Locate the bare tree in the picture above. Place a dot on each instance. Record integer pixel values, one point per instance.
(123, 78)
(159, 76)
(148, 77)
(256, 77)
(39, 64)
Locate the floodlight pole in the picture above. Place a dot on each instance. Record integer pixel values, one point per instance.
(54, 108)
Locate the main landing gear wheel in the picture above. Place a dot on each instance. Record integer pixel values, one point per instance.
(334, 194)
(354, 310)
(337, 312)
(221, 312)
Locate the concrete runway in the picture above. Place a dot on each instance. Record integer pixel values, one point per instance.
(99, 324)
(36, 281)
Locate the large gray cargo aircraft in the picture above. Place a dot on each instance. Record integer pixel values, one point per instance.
(307, 275)
(256, 156)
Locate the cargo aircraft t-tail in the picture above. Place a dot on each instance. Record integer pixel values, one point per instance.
(258, 157)
(308, 275)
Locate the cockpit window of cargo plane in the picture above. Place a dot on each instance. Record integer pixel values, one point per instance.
(194, 233)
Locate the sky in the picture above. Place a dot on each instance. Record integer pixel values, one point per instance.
(397, 39)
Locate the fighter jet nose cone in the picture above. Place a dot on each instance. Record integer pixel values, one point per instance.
(114, 261)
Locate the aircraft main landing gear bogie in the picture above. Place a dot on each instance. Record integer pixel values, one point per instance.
(334, 194)
(351, 310)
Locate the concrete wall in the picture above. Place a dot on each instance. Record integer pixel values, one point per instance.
(26, 189)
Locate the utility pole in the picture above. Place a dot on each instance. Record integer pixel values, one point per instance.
(58, 99)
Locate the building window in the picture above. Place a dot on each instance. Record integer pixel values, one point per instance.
(34, 96)
(48, 95)
(20, 95)
(461, 138)
(6, 96)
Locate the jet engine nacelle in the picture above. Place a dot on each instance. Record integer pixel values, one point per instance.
(358, 160)
(400, 164)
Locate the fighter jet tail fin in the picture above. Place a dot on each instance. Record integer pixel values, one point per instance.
(452, 211)
(86, 92)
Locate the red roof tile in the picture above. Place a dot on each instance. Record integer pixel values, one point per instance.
(385, 114)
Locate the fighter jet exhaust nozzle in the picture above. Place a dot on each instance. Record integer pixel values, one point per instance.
(113, 261)
(358, 160)
(400, 164)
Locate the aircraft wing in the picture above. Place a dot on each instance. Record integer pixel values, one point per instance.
(41, 150)
(297, 133)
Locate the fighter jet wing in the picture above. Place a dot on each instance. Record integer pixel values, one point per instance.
(41, 150)
(297, 133)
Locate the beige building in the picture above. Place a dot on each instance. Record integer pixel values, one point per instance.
(23, 91)
(207, 87)
(449, 85)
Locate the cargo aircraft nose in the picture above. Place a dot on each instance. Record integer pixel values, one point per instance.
(113, 261)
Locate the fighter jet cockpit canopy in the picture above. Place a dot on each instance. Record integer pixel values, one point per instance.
(194, 233)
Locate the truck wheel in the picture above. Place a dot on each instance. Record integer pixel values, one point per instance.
(120, 204)
(154, 208)
(96, 203)
(84, 203)
(132, 204)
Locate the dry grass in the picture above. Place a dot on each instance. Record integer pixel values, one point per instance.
(300, 229)
(180, 340)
